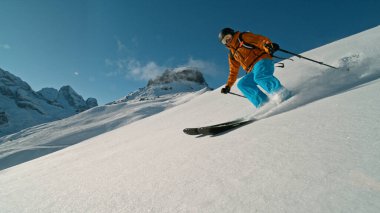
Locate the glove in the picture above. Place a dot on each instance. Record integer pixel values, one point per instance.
(271, 48)
(225, 90)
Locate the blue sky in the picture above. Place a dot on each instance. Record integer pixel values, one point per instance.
(108, 48)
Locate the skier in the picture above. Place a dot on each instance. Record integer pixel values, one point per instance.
(254, 53)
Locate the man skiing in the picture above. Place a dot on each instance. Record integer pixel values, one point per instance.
(254, 53)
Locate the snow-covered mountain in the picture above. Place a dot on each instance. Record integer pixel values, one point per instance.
(317, 152)
(22, 107)
(172, 88)
(175, 81)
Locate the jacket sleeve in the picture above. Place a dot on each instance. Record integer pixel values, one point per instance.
(234, 70)
(257, 40)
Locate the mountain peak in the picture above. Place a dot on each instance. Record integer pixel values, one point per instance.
(170, 83)
(11, 81)
(68, 96)
(22, 107)
(179, 75)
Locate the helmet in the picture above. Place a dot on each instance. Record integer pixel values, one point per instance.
(224, 32)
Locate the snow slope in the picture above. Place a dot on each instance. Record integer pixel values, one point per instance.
(46, 138)
(322, 155)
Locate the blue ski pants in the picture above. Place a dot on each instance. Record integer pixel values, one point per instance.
(261, 75)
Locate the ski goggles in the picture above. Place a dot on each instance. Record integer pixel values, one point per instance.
(226, 39)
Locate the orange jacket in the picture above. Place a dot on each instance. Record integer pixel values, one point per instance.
(243, 55)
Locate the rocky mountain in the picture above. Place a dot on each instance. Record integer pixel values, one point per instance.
(170, 83)
(22, 107)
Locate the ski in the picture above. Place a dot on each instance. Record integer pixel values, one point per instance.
(221, 128)
(196, 130)
(218, 128)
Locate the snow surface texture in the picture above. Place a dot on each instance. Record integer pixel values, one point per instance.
(46, 138)
(322, 155)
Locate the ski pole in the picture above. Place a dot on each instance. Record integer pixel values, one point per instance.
(232, 93)
(300, 56)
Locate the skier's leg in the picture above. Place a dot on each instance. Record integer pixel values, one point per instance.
(263, 76)
(250, 90)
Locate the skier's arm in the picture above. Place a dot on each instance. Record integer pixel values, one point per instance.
(234, 70)
(257, 40)
(261, 42)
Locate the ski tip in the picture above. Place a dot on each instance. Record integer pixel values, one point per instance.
(191, 131)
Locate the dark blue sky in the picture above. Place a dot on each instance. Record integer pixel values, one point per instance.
(108, 48)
